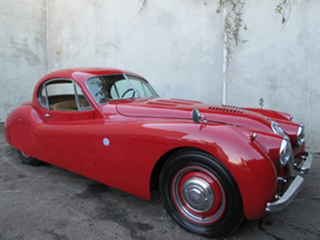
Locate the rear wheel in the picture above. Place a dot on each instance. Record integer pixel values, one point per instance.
(200, 194)
(27, 159)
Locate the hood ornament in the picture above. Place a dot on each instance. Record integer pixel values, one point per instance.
(197, 117)
(261, 102)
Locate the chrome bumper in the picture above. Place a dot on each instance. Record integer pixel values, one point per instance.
(287, 197)
(294, 187)
(306, 163)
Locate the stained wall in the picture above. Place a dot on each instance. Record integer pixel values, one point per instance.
(280, 63)
(177, 45)
(23, 57)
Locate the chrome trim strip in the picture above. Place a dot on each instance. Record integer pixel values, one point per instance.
(76, 96)
(291, 166)
(287, 197)
(304, 168)
(130, 83)
(300, 135)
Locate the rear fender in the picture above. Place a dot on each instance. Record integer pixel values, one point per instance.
(20, 129)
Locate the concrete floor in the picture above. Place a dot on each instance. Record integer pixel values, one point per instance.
(46, 202)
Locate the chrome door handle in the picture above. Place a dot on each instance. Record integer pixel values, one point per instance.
(47, 115)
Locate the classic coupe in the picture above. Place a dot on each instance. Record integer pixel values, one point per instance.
(214, 165)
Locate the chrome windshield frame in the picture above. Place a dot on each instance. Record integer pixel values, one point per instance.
(128, 80)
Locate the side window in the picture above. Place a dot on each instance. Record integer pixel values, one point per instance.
(83, 103)
(99, 89)
(62, 95)
(42, 97)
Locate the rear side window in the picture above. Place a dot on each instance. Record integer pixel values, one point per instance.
(62, 95)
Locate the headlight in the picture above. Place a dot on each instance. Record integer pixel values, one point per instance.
(300, 135)
(277, 129)
(285, 152)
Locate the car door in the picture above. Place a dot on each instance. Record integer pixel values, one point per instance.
(65, 110)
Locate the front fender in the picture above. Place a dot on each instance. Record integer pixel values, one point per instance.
(251, 161)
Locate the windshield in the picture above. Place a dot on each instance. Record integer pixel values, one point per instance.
(112, 87)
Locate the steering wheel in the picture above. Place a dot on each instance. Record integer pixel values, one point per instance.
(127, 91)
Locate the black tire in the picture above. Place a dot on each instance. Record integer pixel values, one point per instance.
(200, 194)
(27, 159)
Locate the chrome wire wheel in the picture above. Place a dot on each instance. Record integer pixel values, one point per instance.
(198, 195)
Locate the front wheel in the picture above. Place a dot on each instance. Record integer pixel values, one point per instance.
(200, 194)
(27, 159)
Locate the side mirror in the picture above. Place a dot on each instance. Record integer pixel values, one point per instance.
(197, 117)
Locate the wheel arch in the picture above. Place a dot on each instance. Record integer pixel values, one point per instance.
(20, 129)
(156, 171)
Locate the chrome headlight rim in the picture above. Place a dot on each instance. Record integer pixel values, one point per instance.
(277, 129)
(285, 152)
(300, 135)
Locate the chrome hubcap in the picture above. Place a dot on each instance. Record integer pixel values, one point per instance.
(198, 194)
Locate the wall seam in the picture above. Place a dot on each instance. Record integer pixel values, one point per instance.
(225, 58)
(47, 36)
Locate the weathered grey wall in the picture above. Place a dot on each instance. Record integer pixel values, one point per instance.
(22, 51)
(177, 45)
(280, 64)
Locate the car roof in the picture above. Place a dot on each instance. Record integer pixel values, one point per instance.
(79, 75)
(83, 73)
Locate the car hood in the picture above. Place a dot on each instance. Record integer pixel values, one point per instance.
(182, 109)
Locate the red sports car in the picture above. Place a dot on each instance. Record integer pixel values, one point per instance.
(215, 165)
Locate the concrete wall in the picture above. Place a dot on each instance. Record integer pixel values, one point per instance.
(280, 64)
(174, 44)
(177, 45)
(23, 58)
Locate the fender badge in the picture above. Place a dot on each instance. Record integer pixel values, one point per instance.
(106, 142)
